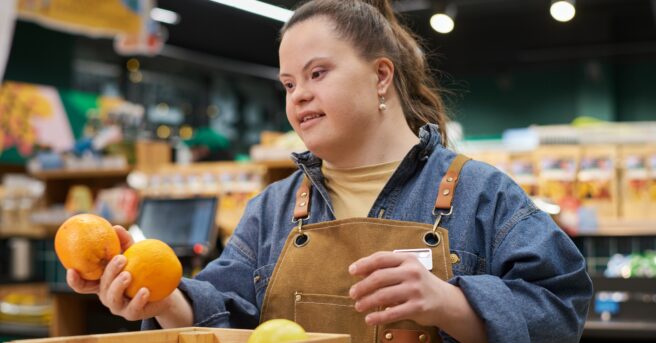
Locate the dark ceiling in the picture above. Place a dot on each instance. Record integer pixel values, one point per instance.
(490, 35)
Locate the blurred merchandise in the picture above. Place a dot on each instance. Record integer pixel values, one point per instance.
(635, 181)
(596, 185)
(79, 199)
(600, 187)
(556, 181)
(150, 155)
(32, 115)
(277, 146)
(118, 205)
(20, 196)
(205, 145)
(525, 172)
(25, 308)
(633, 265)
(587, 133)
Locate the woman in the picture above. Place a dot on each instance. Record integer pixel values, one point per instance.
(426, 246)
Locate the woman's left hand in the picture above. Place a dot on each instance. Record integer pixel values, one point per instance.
(397, 287)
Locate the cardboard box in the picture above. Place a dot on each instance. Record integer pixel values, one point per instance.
(651, 167)
(634, 182)
(597, 180)
(182, 335)
(557, 167)
(523, 168)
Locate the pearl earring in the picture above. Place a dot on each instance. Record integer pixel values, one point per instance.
(381, 105)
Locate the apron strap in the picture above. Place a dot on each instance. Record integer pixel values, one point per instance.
(443, 201)
(302, 208)
(449, 182)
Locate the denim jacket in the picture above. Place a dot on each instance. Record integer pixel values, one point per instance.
(521, 274)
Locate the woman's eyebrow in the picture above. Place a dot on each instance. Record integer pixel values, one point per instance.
(306, 66)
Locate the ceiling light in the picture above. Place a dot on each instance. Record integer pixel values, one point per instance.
(260, 8)
(442, 23)
(443, 19)
(164, 16)
(563, 10)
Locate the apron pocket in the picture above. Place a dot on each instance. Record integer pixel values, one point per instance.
(331, 314)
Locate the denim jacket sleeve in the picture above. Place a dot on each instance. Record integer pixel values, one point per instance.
(535, 288)
(223, 293)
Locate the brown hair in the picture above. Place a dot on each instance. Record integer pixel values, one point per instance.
(374, 30)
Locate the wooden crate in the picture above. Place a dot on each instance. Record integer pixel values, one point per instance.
(182, 335)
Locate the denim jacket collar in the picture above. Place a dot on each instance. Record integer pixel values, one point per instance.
(429, 140)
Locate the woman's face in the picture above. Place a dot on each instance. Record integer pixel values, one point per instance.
(332, 99)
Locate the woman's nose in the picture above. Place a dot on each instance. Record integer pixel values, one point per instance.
(301, 95)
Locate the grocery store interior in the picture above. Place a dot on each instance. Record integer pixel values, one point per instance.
(176, 108)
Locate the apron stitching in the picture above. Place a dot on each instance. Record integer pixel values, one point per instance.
(273, 279)
(364, 222)
(446, 272)
(318, 303)
(328, 295)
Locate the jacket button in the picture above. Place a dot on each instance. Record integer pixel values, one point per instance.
(389, 336)
(422, 338)
(303, 195)
(446, 192)
(449, 179)
(298, 297)
(455, 259)
(257, 278)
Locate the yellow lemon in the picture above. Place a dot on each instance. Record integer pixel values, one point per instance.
(277, 331)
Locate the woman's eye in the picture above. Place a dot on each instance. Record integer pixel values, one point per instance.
(317, 73)
(288, 85)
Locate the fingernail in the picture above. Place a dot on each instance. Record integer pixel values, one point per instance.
(352, 268)
(125, 276)
(144, 292)
(351, 291)
(119, 260)
(357, 306)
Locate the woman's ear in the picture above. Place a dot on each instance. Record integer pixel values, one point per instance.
(385, 74)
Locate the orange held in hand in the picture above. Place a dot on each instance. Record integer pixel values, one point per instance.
(86, 243)
(153, 265)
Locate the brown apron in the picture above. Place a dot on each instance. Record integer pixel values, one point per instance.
(310, 282)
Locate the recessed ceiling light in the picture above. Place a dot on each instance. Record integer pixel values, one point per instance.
(260, 8)
(563, 10)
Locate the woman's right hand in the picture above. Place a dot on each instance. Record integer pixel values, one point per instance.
(112, 284)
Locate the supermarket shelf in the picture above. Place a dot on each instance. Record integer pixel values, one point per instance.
(610, 329)
(277, 163)
(33, 233)
(623, 228)
(24, 330)
(78, 174)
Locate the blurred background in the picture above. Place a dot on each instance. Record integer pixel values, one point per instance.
(137, 108)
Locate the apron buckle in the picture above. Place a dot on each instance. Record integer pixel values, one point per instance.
(439, 217)
(301, 238)
(433, 238)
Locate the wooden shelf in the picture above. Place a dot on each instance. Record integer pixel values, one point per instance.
(277, 164)
(622, 228)
(37, 232)
(619, 329)
(24, 330)
(81, 174)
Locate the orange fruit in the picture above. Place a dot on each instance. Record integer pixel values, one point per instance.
(153, 265)
(86, 243)
(277, 331)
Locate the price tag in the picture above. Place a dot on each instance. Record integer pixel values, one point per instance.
(425, 256)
